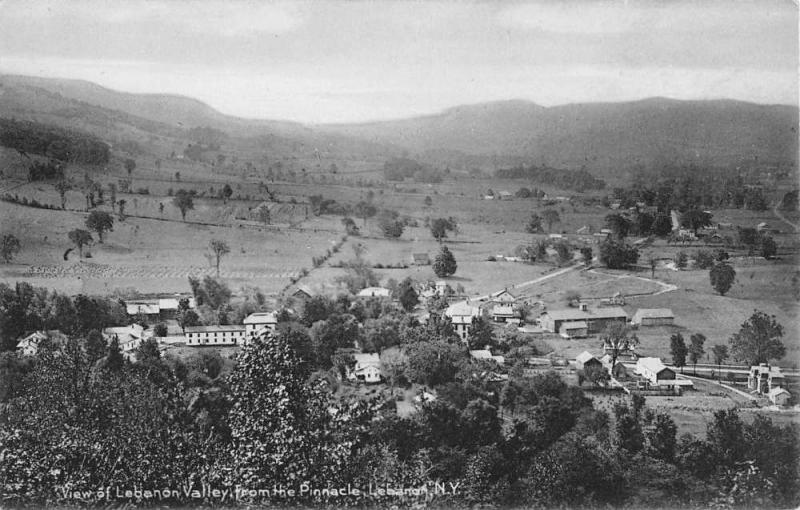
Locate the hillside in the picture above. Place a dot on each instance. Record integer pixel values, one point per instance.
(602, 136)
(159, 124)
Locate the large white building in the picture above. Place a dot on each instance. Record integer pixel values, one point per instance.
(216, 335)
(461, 315)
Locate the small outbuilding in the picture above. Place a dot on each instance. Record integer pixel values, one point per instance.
(576, 329)
(586, 359)
(779, 396)
(653, 317)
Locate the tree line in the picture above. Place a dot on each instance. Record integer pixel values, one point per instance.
(53, 142)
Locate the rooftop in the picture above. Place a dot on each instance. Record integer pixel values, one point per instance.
(261, 318)
(652, 364)
(584, 357)
(212, 329)
(609, 312)
(653, 313)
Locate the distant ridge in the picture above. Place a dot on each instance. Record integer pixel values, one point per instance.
(605, 138)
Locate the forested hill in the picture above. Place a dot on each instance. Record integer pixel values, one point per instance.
(601, 136)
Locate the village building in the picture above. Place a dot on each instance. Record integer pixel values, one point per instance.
(420, 259)
(764, 378)
(375, 292)
(618, 371)
(486, 354)
(461, 315)
(441, 287)
(258, 323)
(155, 309)
(504, 297)
(199, 336)
(586, 359)
(129, 337)
(577, 329)
(779, 396)
(503, 313)
(654, 371)
(595, 319)
(29, 345)
(653, 317)
(301, 293)
(367, 368)
(505, 195)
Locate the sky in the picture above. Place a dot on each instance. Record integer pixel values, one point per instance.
(353, 61)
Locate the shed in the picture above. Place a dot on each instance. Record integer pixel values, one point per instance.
(420, 259)
(779, 396)
(586, 359)
(576, 329)
(654, 370)
(653, 317)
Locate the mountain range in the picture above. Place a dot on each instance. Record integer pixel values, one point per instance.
(601, 137)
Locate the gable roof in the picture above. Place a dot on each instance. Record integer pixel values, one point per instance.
(777, 391)
(374, 292)
(214, 329)
(585, 356)
(365, 359)
(653, 313)
(652, 364)
(607, 312)
(462, 309)
(261, 318)
(502, 310)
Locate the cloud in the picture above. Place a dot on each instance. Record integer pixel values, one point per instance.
(623, 16)
(229, 18)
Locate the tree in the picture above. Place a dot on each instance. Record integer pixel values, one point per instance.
(696, 219)
(390, 225)
(681, 260)
(704, 259)
(445, 263)
(440, 227)
(696, 349)
(481, 334)
(407, 295)
(184, 201)
(768, 247)
(678, 350)
(596, 374)
(617, 339)
(428, 201)
(219, 249)
(226, 193)
(618, 224)
(587, 255)
(617, 254)
(653, 262)
(100, 222)
(10, 246)
(434, 362)
(186, 316)
(550, 216)
(121, 208)
(393, 366)
(130, 165)
(80, 238)
(263, 214)
(722, 276)
(364, 210)
(749, 237)
(758, 340)
(62, 187)
(720, 353)
(534, 224)
(350, 226)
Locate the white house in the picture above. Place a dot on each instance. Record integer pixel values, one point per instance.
(502, 313)
(366, 369)
(29, 345)
(654, 371)
(779, 396)
(461, 315)
(255, 323)
(129, 337)
(197, 336)
(375, 292)
(764, 378)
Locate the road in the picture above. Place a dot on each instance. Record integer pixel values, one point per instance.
(783, 218)
(531, 282)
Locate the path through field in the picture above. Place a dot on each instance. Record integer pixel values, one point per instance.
(784, 219)
(665, 287)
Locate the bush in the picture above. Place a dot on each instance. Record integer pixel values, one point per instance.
(704, 259)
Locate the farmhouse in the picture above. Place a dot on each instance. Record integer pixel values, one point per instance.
(29, 345)
(505, 195)
(654, 371)
(596, 320)
(366, 369)
(301, 293)
(256, 323)
(503, 313)
(585, 359)
(779, 396)
(216, 335)
(461, 315)
(764, 378)
(653, 317)
(504, 297)
(374, 292)
(129, 337)
(420, 259)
